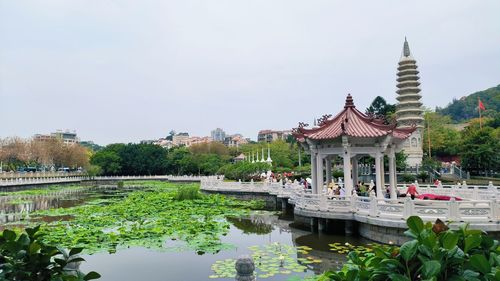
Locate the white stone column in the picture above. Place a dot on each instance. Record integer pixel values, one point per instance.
(319, 177)
(328, 168)
(392, 173)
(314, 172)
(355, 170)
(378, 175)
(347, 172)
(382, 169)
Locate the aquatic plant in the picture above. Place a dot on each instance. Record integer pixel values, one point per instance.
(25, 257)
(345, 248)
(146, 218)
(270, 260)
(188, 192)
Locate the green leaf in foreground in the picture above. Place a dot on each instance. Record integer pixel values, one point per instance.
(409, 249)
(480, 263)
(430, 269)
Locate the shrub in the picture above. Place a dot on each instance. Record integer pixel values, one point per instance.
(408, 178)
(189, 192)
(25, 257)
(422, 176)
(244, 170)
(338, 174)
(435, 253)
(120, 184)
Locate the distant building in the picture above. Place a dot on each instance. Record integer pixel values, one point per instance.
(198, 140)
(164, 142)
(240, 158)
(235, 140)
(180, 139)
(271, 135)
(218, 135)
(147, 141)
(67, 137)
(42, 137)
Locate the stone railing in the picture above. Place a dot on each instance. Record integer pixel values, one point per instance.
(23, 175)
(117, 178)
(463, 190)
(43, 180)
(485, 210)
(276, 188)
(482, 211)
(152, 177)
(11, 182)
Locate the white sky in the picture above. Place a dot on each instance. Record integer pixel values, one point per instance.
(122, 71)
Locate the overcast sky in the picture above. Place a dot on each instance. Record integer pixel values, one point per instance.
(123, 71)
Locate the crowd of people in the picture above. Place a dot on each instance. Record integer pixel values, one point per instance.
(334, 189)
(337, 189)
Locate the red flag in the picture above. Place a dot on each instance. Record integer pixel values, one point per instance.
(481, 105)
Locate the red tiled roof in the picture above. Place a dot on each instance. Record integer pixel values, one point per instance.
(351, 122)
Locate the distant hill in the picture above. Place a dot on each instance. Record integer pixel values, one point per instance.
(466, 107)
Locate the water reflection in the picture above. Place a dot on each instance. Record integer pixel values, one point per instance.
(15, 208)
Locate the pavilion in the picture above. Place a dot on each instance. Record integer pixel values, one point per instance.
(352, 135)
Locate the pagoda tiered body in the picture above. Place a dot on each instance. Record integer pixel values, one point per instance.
(409, 110)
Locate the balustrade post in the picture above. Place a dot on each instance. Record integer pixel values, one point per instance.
(493, 210)
(354, 197)
(454, 215)
(408, 208)
(475, 193)
(373, 206)
(496, 206)
(322, 202)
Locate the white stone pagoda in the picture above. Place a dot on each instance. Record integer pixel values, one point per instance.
(409, 110)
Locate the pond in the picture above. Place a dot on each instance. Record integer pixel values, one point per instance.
(281, 252)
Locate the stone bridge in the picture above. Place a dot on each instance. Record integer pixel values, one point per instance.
(382, 220)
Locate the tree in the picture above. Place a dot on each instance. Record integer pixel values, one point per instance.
(480, 150)
(108, 161)
(209, 148)
(244, 170)
(93, 170)
(17, 153)
(445, 140)
(380, 108)
(175, 162)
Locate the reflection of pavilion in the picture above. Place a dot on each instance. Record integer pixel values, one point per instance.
(351, 135)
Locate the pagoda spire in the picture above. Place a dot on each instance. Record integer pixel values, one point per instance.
(406, 49)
